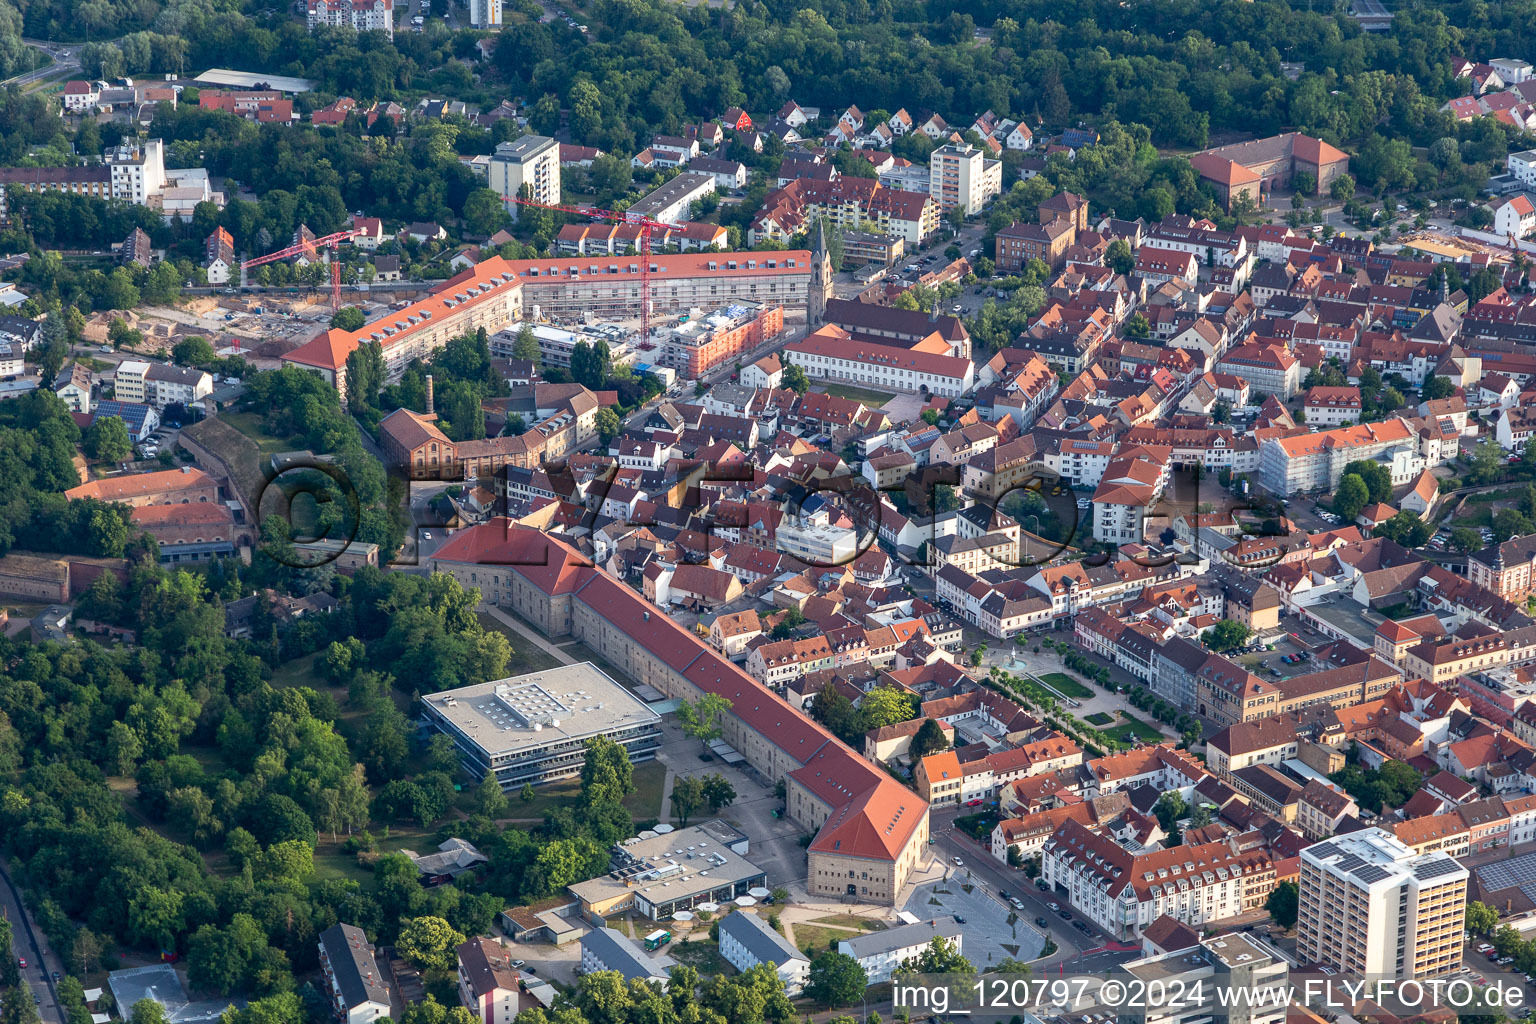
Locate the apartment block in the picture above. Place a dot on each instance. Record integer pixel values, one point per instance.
(534, 161)
(1371, 906)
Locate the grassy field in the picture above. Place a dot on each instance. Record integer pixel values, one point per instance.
(527, 656)
(250, 424)
(867, 924)
(700, 953)
(331, 861)
(868, 397)
(1098, 718)
(1064, 683)
(814, 938)
(1133, 728)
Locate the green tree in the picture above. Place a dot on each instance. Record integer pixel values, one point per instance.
(1283, 904)
(490, 800)
(1351, 497)
(527, 346)
(886, 705)
(147, 1011)
(1509, 522)
(1487, 463)
(835, 979)
(1481, 919)
(1137, 327)
(718, 792)
(1406, 529)
(527, 794)
(1169, 810)
(607, 776)
(929, 739)
(1226, 635)
(1376, 477)
(794, 378)
(107, 440)
(1119, 257)
(348, 318)
(704, 719)
(608, 425)
(687, 797)
(940, 956)
(429, 943)
(1465, 540)
(194, 351)
(1436, 387)
(485, 213)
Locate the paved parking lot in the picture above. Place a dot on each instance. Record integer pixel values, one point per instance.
(990, 927)
(774, 842)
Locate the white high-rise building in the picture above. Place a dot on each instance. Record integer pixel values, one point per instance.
(1371, 906)
(360, 15)
(958, 175)
(138, 170)
(485, 13)
(533, 160)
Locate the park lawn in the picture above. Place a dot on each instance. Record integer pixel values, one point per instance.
(865, 395)
(1133, 728)
(1098, 718)
(1064, 683)
(527, 656)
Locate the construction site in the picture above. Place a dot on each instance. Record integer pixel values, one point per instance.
(260, 327)
(1445, 248)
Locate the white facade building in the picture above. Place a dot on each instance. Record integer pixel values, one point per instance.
(881, 953)
(485, 13)
(359, 15)
(958, 175)
(138, 170)
(1371, 906)
(1523, 166)
(746, 940)
(533, 160)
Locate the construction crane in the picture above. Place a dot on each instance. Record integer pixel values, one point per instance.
(646, 226)
(310, 249)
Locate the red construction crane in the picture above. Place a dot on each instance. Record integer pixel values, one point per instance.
(646, 226)
(309, 249)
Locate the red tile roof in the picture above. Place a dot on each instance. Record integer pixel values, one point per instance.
(872, 815)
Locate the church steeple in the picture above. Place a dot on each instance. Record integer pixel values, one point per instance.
(820, 288)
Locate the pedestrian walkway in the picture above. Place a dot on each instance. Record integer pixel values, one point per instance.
(538, 641)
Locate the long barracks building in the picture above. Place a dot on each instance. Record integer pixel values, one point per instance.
(497, 291)
(871, 830)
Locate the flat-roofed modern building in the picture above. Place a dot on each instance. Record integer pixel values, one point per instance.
(1371, 906)
(534, 728)
(1254, 974)
(656, 874)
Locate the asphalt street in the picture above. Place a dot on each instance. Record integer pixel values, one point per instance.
(31, 945)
